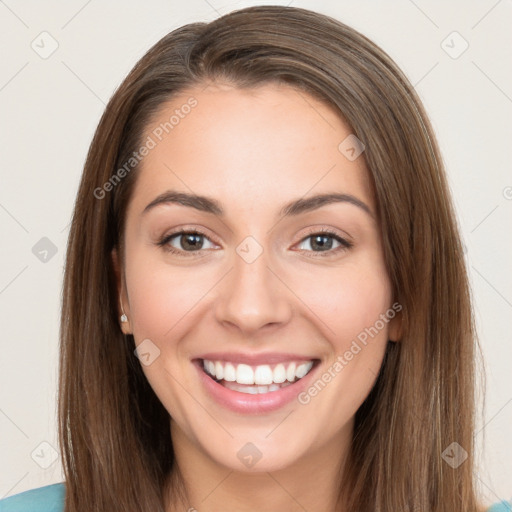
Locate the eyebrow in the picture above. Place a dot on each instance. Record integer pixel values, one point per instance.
(296, 207)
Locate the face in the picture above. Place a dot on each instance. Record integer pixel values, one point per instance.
(260, 328)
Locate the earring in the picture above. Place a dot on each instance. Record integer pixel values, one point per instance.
(124, 318)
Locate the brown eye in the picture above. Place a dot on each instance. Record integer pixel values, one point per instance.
(182, 242)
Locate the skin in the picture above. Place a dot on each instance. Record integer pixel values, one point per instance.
(254, 151)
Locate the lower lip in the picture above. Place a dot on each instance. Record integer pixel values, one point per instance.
(252, 404)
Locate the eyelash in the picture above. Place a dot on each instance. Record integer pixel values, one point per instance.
(345, 244)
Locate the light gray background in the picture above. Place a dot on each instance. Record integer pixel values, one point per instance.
(49, 108)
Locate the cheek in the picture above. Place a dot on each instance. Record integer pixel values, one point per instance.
(348, 300)
(162, 297)
(164, 301)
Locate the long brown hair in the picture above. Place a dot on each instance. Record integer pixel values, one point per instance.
(114, 432)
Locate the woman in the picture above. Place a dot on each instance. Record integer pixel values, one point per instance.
(265, 301)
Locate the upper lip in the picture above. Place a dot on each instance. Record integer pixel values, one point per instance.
(254, 359)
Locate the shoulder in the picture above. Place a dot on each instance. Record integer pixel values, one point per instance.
(503, 506)
(49, 498)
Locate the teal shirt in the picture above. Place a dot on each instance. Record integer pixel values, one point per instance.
(51, 499)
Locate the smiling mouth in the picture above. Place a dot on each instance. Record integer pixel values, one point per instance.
(256, 379)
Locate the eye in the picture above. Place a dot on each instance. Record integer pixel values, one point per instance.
(183, 242)
(323, 240)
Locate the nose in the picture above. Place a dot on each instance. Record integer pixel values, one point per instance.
(253, 296)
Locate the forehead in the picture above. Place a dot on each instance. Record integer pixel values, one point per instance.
(246, 147)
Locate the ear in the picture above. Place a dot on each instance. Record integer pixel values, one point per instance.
(395, 327)
(122, 304)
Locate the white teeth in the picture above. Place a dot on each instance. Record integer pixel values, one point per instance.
(255, 390)
(262, 375)
(290, 373)
(303, 369)
(244, 374)
(229, 372)
(279, 374)
(219, 370)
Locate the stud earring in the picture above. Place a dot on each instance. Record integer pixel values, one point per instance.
(124, 318)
